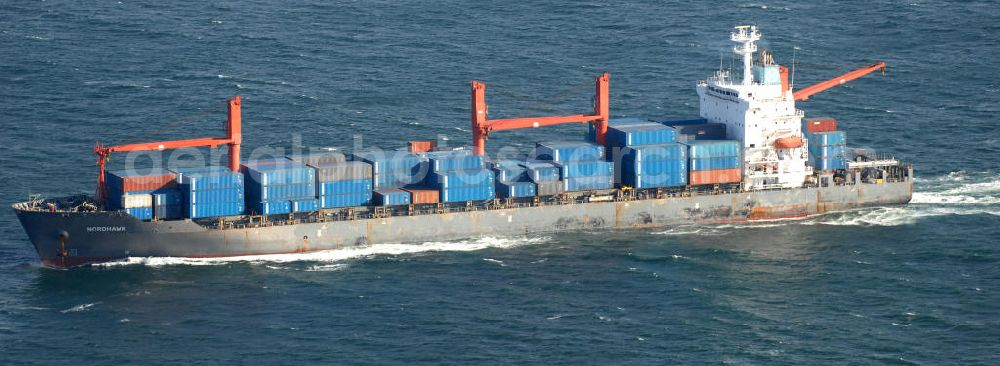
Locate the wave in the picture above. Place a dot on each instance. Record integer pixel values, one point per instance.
(336, 255)
(79, 308)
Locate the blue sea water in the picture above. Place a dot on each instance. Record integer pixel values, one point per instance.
(917, 284)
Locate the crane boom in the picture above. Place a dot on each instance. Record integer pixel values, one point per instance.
(233, 138)
(807, 92)
(481, 126)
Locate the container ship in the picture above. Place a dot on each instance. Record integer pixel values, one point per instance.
(750, 154)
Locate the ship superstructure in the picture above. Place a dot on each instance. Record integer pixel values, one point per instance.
(759, 110)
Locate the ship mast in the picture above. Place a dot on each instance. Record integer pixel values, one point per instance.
(748, 35)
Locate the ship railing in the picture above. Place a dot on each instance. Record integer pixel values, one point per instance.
(363, 213)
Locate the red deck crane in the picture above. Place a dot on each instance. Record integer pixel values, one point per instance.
(234, 137)
(481, 126)
(804, 94)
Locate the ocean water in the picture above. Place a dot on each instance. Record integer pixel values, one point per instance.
(916, 284)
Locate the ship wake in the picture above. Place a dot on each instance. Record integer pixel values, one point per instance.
(332, 257)
(957, 193)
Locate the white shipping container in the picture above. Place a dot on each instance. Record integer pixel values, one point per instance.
(137, 200)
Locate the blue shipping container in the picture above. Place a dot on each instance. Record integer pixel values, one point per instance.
(392, 197)
(588, 183)
(622, 121)
(272, 207)
(392, 160)
(515, 189)
(289, 172)
(168, 212)
(543, 172)
(827, 138)
(828, 150)
(716, 163)
(393, 179)
(654, 167)
(672, 151)
(305, 205)
(649, 133)
(212, 177)
(345, 187)
(642, 181)
(511, 174)
(713, 148)
(141, 213)
(213, 210)
(506, 163)
(440, 161)
(830, 163)
(468, 193)
(206, 196)
(346, 200)
(281, 192)
(568, 151)
(573, 169)
(463, 178)
(169, 197)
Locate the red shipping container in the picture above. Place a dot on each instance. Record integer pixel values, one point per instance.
(424, 195)
(718, 176)
(135, 183)
(821, 124)
(421, 146)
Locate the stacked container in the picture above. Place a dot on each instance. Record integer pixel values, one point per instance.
(340, 183)
(512, 179)
(646, 155)
(280, 186)
(653, 166)
(713, 162)
(592, 132)
(210, 191)
(581, 165)
(460, 176)
(568, 151)
(546, 177)
(587, 175)
(392, 197)
(441, 161)
(134, 193)
(643, 133)
(168, 204)
(464, 185)
(394, 169)
(828, 150)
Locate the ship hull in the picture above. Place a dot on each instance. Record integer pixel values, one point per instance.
(65, 239)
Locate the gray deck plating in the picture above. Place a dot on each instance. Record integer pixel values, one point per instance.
(100, 236)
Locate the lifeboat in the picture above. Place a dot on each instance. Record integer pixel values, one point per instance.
(788, 142)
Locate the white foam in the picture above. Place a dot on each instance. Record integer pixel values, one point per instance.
(79, 308)
(945, 198)
(327, 267)
(491, 260)
(338, 255)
